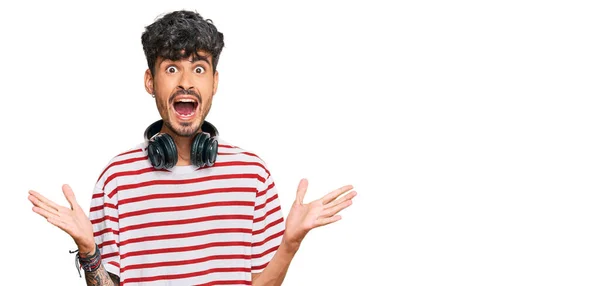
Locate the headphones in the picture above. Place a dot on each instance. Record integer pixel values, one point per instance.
(162, 151)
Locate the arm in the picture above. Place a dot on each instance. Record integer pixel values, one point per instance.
(277, 268)
(75, 223)
(301, 219)
(101, 277)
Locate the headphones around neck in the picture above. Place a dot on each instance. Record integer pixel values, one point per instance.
(162, 151)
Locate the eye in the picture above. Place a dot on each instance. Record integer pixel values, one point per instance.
(171, 69)
(199, 70)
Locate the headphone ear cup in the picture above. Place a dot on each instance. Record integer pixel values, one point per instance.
(197, 155)
(162, 151)
(210, 150)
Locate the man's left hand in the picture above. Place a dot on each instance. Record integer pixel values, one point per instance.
(304, 217)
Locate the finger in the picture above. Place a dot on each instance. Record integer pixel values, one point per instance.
(46, 214)
(334, 210)
(44, 200)
(326, 221)
(70, 196)
(346, 197)
(333, 195)
(36, 202)
(302, 187)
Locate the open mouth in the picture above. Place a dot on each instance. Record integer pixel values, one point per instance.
(185, 107)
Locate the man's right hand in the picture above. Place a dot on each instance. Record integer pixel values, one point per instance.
(71, 220)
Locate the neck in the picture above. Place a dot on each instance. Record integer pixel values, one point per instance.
(183, 144)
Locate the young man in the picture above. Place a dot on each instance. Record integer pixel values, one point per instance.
(178, 209)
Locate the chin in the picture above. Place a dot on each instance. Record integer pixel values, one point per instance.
(184, 129)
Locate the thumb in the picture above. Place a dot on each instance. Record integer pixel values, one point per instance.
(70, 196)
(302, 186)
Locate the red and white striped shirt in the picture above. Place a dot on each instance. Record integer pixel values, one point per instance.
(187, 225)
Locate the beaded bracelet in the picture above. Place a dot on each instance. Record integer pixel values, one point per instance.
(88, 264)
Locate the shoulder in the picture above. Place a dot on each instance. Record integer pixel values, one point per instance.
(230, 154)
(134, 158)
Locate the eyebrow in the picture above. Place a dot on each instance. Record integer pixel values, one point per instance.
(197, 58)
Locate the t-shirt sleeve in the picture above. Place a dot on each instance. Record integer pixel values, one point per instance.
(105, 221)
(268, 225)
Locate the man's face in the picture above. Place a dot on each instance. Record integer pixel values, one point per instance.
(183, 91)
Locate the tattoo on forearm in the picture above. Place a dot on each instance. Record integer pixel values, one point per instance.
(101, 277)
(115, 279)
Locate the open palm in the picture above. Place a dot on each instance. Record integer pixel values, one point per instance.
(304, 217)
(71, 220)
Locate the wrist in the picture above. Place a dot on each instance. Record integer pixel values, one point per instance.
(87, 249)
(290, 246)
(92, 262)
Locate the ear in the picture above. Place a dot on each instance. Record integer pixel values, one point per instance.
(215, 82)
(148, 82)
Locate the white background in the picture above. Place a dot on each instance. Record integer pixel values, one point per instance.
(470, 129)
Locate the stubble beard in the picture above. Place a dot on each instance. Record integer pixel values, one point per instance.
(186, 129)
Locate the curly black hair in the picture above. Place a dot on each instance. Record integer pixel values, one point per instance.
(181, 30)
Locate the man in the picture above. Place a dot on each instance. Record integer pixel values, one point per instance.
(171, 211)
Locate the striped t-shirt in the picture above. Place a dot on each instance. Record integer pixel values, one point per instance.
(188, 225)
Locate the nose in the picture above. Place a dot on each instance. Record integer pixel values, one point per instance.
(185, 82)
